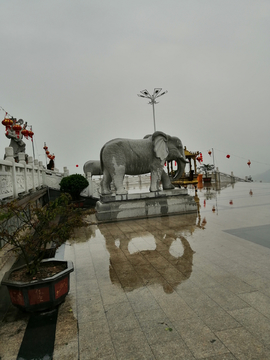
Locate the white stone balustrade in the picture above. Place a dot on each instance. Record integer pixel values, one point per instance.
(21, 178)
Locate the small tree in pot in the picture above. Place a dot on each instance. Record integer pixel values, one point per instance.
(73, 185)
(30, 230)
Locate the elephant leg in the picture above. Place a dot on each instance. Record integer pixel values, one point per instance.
(155, 180)
(105, 183)
(166, 182)
(118, 181)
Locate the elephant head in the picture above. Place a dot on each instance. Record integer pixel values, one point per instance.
(169, 148)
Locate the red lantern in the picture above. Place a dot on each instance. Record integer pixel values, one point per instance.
(7, 123)
(52, 157)
(209, 152)
(200, 158)
(165, 163)
(228, 156)
(25, 133)
(231, 202)
(30, 133)
(17, 128)
(249, 162)
(45, 148)
(47, 152)
(77, 165)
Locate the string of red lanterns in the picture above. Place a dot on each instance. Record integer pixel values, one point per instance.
(49, 156)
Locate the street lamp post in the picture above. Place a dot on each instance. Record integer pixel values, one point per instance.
(157, 93)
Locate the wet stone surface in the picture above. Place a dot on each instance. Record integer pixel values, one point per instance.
(174, 287)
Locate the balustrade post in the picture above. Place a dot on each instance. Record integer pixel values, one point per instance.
(90, 186)
(66, 171)
(40, 169)
(9, 154)
(10, 157)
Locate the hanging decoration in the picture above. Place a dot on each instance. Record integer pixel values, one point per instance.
(7, 123)
(30, 133)
(49, 156)
(209, 152)
(17, 128)
(249, 162)
(231, 202)
(24, 131)
(228, 156)
(200, 158)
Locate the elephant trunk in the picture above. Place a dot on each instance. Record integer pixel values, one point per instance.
(181, 163)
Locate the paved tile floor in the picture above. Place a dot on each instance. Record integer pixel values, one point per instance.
(180, 287)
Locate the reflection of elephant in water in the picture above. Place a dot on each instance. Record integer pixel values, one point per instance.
(134, 157)
(134, 269)
(92, 166)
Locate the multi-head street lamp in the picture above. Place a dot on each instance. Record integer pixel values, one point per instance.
(157, 93)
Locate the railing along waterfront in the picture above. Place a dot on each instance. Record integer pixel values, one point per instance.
(17, 178)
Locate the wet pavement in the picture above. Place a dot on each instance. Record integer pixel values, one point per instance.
(193, 286)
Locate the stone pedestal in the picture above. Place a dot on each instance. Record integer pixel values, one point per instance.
(144, 205)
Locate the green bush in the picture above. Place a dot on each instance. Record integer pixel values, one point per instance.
(73, 185)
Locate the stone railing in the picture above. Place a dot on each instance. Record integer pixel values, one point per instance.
(131, 183)
(17, 178)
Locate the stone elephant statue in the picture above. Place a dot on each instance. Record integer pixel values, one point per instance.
(134, 157)
(92, 166)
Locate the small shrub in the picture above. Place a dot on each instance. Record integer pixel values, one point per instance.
(73, 185)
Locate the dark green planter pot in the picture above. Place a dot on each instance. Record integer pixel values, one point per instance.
(39, 295)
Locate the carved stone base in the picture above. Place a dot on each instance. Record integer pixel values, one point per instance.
(144, 205)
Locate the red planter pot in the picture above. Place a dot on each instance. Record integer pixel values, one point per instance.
(39, 295)
(207, 179)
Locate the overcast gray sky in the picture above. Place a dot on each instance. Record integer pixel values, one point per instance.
(73, 69)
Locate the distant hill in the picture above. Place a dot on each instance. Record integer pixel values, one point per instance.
(264, 177)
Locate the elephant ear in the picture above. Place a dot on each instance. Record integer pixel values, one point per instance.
(160, 145)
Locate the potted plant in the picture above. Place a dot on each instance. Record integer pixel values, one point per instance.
(205, 168)
(74, 185)
(39, 284)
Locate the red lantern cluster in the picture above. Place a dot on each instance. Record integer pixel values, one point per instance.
(11, 123)
(49, 156)
(200, 158)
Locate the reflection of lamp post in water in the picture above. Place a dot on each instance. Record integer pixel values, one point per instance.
(152, 98)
